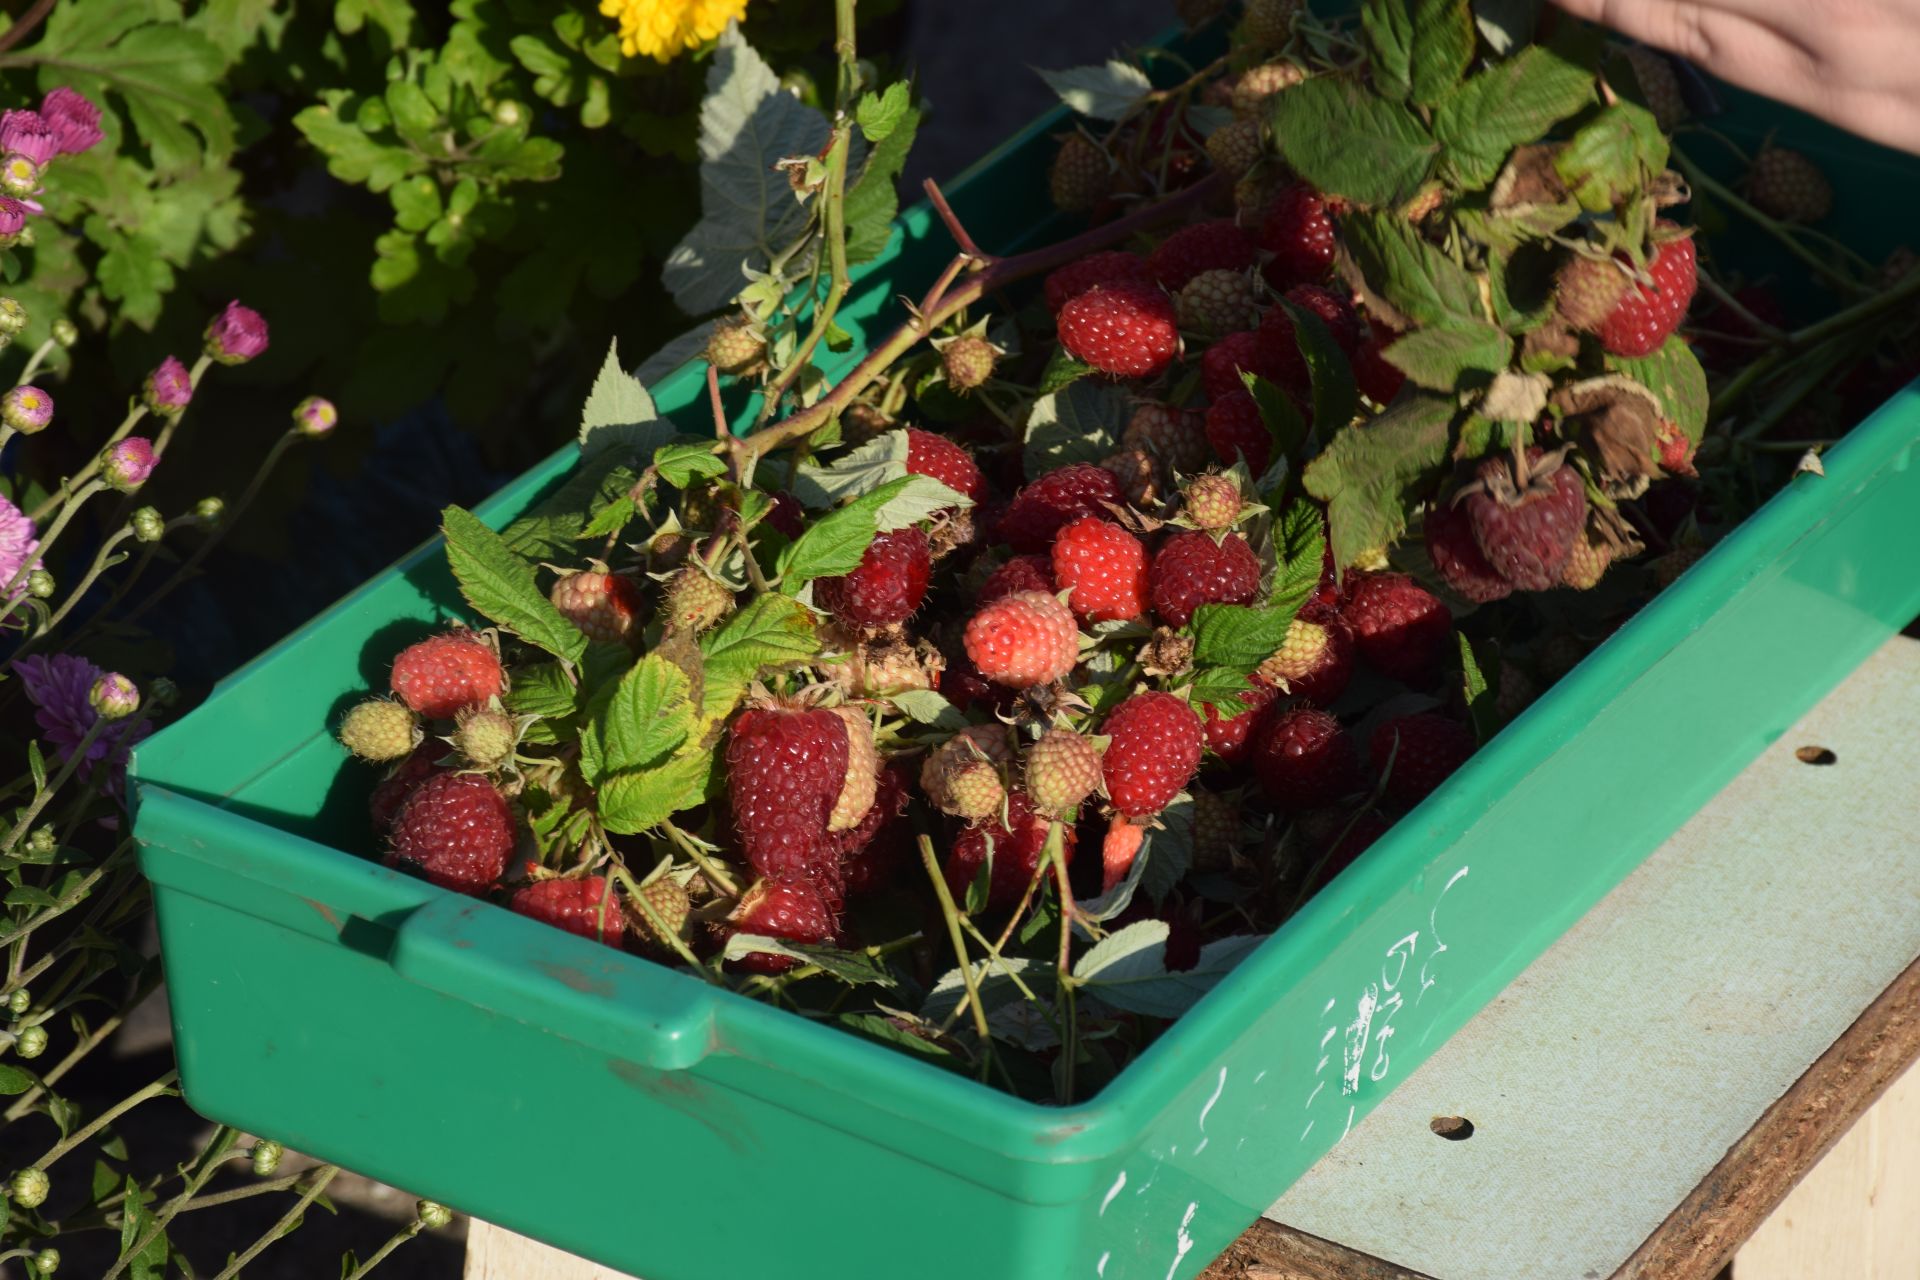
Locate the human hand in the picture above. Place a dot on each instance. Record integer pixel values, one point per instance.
(1851, 62)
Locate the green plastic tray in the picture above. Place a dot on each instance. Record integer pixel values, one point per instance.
(638, 1117)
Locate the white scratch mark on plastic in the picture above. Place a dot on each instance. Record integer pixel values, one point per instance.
(1433, 930)
(1240, 1144)
(1331, 1001)
(1101, 1269)
(1113, 1191)
(1262, 1076)
(1217, 1089)
(1358, 1030)
(1321, 1065)
(1316, 1092)
(1304, 1132)
(1331, 1033)
(1203, 1145)
(1182, 1242)
(1349, 1129)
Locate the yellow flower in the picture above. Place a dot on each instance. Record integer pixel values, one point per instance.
(663, 29)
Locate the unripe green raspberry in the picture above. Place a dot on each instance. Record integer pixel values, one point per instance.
(266, 1157)
(209, 510)
(148, 524)
(20, 999)
(973, 789)
(968, 361)
(1216, 303)
(433, 1216)
(32, 1042)
(1063, 768)
(668, 904)
(1269, 23)
(13, 316)
(1237, 146)
(47, 1261)
(1081, 176)
(379, 730)
(695, 601)
(1213, 501)
(485, 737)
(736, 347)
(64, 332)
(40, 585)
(962, 775)
(29, 1188)
(1298, 657)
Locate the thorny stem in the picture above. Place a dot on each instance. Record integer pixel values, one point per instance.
(287, 1222)
(1838, 322)
(951, 220)
(952, 915)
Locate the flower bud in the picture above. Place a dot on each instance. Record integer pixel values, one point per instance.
(433, 1216)
(29, 1188)
(47, 1261)
(509, 114)
(26, 409)
(27, 135)
(236, 335)
(32, 1042)
(162, 692)
(13, 316)
(13, 220)
(168, 388)
(114, 696)
(42, 842)
(19, 175)
(148, 525)
(209, 510)
(125, 466)
(64, 332)
(40, 585)
(266, 1157)
(19, 1000)
(26, 238)
(74, 119)
(315, 417)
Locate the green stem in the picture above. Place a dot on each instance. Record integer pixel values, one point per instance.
(1725, 195)
(1840, 321)
(1056, 852)
(379, 1255)
(39, 356)
(952, 915)
(59, 780)
(102, 561)
(715, 876)
(163, 1085)
(60, 522)
(288, 1221)
(94, 1039)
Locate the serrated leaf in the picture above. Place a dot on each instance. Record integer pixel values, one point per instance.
(1367, 476)
(1389, 28)
(833, 544)
(1063, 369)
(647, 718)
(1168, 849)
(168, 76)
(540, 689)
(1112, 91)
(1279, 415)
(619, 413)
(1217, 687)
(1510, 103)
(851, 967)
(1674, 375)
(1608, 158)
(629, 803)
(1237, 635)
(609, 520)
(1348, 142)
(872, 201)
(1079, 423)
(1299, 549)
(858, 471)
(924, 706)
(771, 631)
(550, 529)
(1480, 691)
(1414, 276)
(879, 114)
(680, 464)
(500, 585)
(918, 498)
(1336, 396)
(1443, 40)
(1440, 356)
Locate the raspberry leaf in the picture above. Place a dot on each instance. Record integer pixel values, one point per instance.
(1134, 977)
(629, 803)
(1299, 546)
(1335, 395)
(998, 979)
(1439, 357)
(1110, 92)
(772, 631)
(610, 519)
(1612, 156)
(1370, 477)
(851, 967)
(1443, 40)
(1237, 635)
(1389, 27)
(916, 500)
(872, 201)
(680, 464)
(648, 717)
(1348, 142)
(1479, 687)
(549, 530)
(1414, 277)
(1113, 901)
(1062, 369)
(501, 585)
(1510, 103)
(833, 544)
(1218, 687)
(1079, 423)
(1674, 375)
(619, 414)
(1277, 413)
(856, 472)
(879, 114)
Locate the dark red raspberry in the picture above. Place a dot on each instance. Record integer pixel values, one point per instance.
(1191, 569)
(1429, 748)
(1231, 738)
(785, 770)
(1016, 850)
(1103, 567)
(445, 673)
(1057, 498)
(887, 587)
(936, 456)
(1378, 380)
(384, 804)
(1400, 628)
(875, 850)
(791, 909)
(1245, 352)
(1643, 319)
(578, 906)
(1236, 432)
(1526, 530)
(1204, 246)
(1126, 329)
(1457, 556)
(1298, 231)
(1022, 573)
(456, 830)
(1074, 279)
(1153, 750)
(786, 516)
(1304, 760)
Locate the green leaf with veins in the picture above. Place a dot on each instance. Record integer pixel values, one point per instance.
(501, 586)
(1078, 423)
(872, 200)
(639, 800)
(1510, 103)
(1109, 92)
(771, 631)
(833, 544)
(1299, 550)
(1389, 28)
(1412, 275)
(1218, 687)
(1348, 142)
(1238, 636)
(1441, 356)
(1370, 477)
(648, 717)
(1611, 155)
(1674, 375)
(1443, 40)
(1278, 414)
(1336, 397)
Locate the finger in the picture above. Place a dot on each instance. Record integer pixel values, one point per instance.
(1673, 25)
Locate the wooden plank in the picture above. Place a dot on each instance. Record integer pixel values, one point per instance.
(494, 1253)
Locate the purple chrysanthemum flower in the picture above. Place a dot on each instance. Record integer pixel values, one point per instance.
(27, 133)
(18, 542)
(125, 466)
(169, 387)
(75, 121)
(13, 218)
(236, 335)
(59, 685)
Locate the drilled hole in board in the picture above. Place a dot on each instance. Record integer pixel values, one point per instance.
(1815, 755)
(1452, 1128)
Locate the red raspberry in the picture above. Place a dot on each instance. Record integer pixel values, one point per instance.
(578, 906)
(786, 515)
(1024, 639)
(1204, 246)
(1230, 738)
(387, 798)
(1126, 329)
(1457, 556)
(444, 673)
(878, 848)
(1305, 760)
(455, 830)
(936, 456)
(1430, 748)
(1399, 626)
(1153, 752)
(1236, 431)
(605, 606)
(1527, 534)
(1016, 850)
(1191, 569)
(1379, 381)
(1647, 315)
(1056, 499)
(1316, 661)
(1222, 363)
(1103, 567)
(1022, 573)
(1299, 233)
(1118, 850)
(887, 586)
(786, 768)
(788, 908)
(1074, 279)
